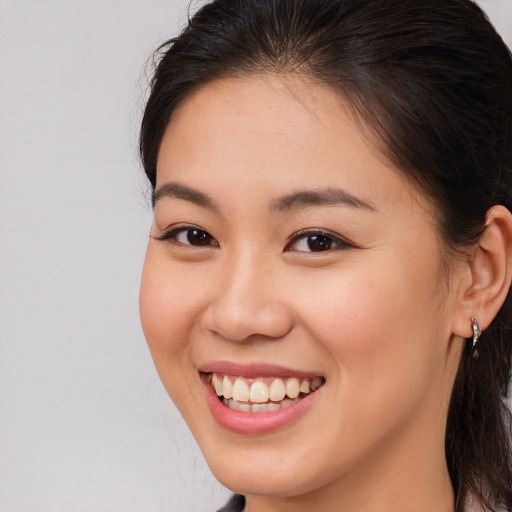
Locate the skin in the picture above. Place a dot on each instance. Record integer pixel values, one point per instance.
(374, 314)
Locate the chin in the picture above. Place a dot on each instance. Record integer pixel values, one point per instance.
(272, 480)
(265, 469)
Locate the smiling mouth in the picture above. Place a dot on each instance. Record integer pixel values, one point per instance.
(262, 394)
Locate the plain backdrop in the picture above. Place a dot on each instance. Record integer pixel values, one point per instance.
(85, 425)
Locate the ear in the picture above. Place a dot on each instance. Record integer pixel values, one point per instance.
(488, 274)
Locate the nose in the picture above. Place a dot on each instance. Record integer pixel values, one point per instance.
(246, 303)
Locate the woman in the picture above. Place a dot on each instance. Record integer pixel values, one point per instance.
(326, 288)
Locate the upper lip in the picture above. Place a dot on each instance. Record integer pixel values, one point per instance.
(253, 370)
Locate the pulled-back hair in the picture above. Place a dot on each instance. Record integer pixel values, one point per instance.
(432, 82)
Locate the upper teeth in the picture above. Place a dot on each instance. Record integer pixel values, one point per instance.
(259, 391)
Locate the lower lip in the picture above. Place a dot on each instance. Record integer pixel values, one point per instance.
(254, 423)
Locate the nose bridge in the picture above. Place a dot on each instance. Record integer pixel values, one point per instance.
(246, 301)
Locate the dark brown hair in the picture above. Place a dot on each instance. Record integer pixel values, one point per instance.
(433, 82)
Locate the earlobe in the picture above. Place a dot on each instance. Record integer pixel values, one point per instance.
(490, 270)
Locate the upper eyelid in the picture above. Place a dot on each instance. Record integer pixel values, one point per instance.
(318, 231)
(168, 232)
(309, 231)
(182, 226)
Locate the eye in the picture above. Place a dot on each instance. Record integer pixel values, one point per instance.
(316, 241)
(189, 235)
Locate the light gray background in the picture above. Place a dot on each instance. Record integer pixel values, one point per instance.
(85, 425)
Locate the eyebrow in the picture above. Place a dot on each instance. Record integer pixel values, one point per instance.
(179, 191)
(293, 201)
(324, 197)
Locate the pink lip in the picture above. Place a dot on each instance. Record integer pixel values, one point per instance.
(251, 371)
(254, 423)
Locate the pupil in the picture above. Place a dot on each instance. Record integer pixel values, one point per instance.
(197, 237)
(319, 243)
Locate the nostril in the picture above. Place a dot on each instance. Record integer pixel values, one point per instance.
(244, 323)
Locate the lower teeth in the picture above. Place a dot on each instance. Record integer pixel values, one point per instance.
(255, 408)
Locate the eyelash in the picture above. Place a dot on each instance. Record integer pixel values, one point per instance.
(173, 233)
(305, 234)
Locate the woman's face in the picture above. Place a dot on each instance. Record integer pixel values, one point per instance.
(286, 253)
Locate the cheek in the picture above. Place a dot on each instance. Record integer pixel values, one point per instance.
(376, 323)
(168, 298)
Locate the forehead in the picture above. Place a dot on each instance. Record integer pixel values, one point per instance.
(284, 132)
(264, 105)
